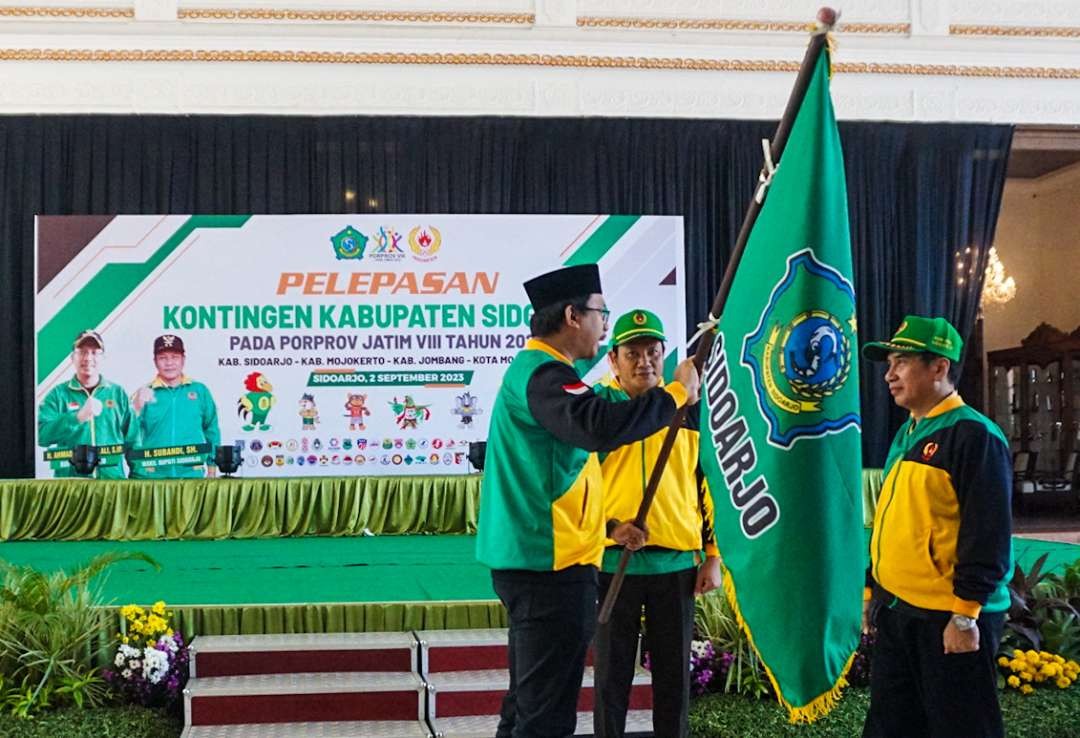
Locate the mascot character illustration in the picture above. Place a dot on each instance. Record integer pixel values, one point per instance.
(309, 414)
(355, 410)
(466, 408)
(408, 413)
(255, 405)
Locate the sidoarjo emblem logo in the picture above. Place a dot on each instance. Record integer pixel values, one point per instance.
(800, 355)
(349, 243)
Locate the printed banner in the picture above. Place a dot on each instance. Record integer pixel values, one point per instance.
(318, 344)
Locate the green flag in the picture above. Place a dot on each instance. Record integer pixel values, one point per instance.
(780, 428)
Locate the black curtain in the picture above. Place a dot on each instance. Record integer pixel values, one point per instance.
(917, 193)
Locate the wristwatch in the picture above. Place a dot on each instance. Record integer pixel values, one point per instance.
(963, 622)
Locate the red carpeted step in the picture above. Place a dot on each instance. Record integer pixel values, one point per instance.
(352, 729)
(297, 698)
(638, 723)
(455, 694)
(213, 656)
(466, 650)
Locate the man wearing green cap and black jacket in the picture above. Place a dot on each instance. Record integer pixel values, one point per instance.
(680, 561)
(541, 526)
(941, 548)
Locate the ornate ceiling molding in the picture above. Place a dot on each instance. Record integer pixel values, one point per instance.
(354, 16)
(67, 13)
(523, 60)
(1018, 31)
(719, 24)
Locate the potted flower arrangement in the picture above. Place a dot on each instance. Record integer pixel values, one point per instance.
(151, 661)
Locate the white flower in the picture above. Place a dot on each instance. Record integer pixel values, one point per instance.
(128, 651)
(155, 665)
(699, 648)
(134, 664)
(126, 673)
(169, 643)
(119, 660)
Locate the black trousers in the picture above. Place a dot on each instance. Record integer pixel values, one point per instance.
(668, 600)
(916, 689)
(552, 621)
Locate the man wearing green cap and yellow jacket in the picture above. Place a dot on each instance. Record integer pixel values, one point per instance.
(941, 548)
(681, 558)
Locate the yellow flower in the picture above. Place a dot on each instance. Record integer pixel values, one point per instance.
(1058, 659)
(1026, 676)
(1049, 669)
(1027, 689)
(1062, 682)
(1072, 664)
(1018, 653)
(159, 607)
(1040, 677)
(125, 639)
(169, 632)
(1013, 681)
(1018, 664)
(1003, 661)
(1032, 657)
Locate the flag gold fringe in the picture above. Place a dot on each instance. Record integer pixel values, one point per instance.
(818, 707)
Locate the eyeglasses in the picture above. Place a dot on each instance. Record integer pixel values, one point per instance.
(604, 312)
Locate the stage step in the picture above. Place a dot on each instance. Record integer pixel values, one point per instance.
(221, 656)
(466, 650)
(462, 650)
(351, 729)
(338, 685)
(455, 694)
(638, 723)
(307, 697)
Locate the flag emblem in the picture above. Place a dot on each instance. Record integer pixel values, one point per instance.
(577, 388)
(800, 358)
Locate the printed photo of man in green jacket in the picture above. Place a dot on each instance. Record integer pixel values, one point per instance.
(174, 413)
(541, 528)
(88, 410)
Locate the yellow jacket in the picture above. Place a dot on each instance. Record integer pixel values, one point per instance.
(681, 516)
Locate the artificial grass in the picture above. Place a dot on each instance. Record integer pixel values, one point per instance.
(1047, 713)
(127, 721)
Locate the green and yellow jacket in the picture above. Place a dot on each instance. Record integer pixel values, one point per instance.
(180, 415)
(541, 500)
(59, 426)
(680, 519)
(942, 535)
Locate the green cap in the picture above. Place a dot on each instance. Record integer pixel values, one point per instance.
(917, 334)
(637, 324)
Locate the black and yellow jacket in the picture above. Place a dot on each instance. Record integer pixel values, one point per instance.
(680, 520)
(942, 535)
(541, 500)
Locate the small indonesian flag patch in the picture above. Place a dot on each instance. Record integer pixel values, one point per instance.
(577, 388)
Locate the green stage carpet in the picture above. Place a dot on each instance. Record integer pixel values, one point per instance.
(316, 570)
(278, 570)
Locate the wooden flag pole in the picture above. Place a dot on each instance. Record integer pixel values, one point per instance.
(826, 18)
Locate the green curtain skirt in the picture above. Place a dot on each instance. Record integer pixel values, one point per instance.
(136, 510)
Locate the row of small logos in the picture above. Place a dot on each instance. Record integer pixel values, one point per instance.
(445, 459)
(385, 243)
(304, 445)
